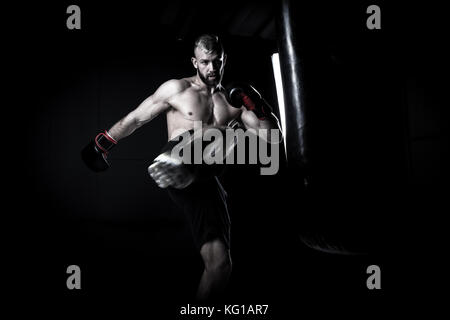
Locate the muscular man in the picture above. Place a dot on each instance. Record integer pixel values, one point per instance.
(185, 101)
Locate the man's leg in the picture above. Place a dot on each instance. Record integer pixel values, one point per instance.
(217, 261)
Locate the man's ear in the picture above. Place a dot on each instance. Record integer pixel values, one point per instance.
(194, 62)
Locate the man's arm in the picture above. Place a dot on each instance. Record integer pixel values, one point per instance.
(256, 112)
(95, 153)
(147, 110)
(250, 120)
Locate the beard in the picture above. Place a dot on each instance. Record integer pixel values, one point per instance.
(208, 81)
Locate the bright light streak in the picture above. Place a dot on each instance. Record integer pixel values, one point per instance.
(280, 93)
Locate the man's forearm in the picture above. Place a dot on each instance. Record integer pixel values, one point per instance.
(123, 128)
(268, 123)
(271, 122)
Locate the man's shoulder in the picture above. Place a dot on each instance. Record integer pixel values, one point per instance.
(177, 85)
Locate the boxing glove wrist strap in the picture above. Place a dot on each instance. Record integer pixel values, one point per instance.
(104, 142)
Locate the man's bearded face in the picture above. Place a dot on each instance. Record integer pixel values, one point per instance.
(209, 66)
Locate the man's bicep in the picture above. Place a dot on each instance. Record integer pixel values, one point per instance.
(157, 103)
(148, 110)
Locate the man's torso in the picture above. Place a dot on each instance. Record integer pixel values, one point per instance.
(197, 104)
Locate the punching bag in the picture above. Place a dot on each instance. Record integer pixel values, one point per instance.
(318, 228)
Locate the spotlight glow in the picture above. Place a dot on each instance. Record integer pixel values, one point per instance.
(280, 93)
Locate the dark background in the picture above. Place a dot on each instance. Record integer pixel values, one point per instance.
(379, 166)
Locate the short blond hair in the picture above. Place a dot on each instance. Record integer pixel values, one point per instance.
(208, 42)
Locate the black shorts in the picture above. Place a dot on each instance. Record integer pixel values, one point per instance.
(204, 203)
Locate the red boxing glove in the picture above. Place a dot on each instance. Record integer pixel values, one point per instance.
(239, 95)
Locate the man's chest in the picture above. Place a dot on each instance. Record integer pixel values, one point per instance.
(211, 109)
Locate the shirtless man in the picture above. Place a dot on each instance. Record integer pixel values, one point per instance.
(184, 101)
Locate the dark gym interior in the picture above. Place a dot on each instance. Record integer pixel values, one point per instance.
(376, 175)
